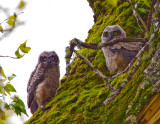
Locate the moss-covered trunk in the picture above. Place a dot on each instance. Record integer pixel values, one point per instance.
(81, 95)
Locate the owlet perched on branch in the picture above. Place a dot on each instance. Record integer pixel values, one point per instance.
(44, 80)
(121, 54)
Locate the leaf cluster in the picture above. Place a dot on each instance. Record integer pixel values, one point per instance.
(23, 49)
(6, 88)
(16, 104)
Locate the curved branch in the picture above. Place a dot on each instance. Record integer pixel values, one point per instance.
(110, 43)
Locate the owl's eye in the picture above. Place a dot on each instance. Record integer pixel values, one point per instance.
(106, 34)
(52, 58)
(115, 33)
(44, 59)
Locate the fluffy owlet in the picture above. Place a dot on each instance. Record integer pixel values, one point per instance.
(121, 54)
(44, 80)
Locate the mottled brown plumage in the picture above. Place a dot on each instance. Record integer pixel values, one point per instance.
(121, 54)
(44, 81)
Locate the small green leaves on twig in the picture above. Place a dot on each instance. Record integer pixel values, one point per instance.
(11, 77)
(18, 106)
(23, 48)
(11, 20)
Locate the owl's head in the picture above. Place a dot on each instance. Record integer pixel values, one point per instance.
(111, 32)
(48, 59)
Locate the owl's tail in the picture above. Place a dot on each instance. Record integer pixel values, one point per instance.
(34, 106)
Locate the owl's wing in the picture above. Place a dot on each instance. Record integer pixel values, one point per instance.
(35, 79)
(127, 50)
(132, 45)
(30, 79)
(127, 54)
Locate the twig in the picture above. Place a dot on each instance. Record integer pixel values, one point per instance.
(149, 20)
(95, 70)
(8, 31)
(141, 20)
(116, 92)
(136, 18)
(10, 57)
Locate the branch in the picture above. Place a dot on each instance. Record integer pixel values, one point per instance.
(95, 70)
(10, 57)
(141, 20)
(110, 43)
(136, 18)
(149, 20)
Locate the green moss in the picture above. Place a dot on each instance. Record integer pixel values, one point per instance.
(81, 95)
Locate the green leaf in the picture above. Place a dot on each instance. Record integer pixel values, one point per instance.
(23, 47)
(147, 2)
(7, 106)
(11, 77)
(2, 72)
(11, 22)
(143, 10)
(19, 106)
(21, 4)
(1, 29)
(15, 98)
(18, 54)
(13, 17)
(16, 109)
(22, 106)
(9, 88)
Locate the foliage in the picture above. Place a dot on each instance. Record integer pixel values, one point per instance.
(23, 49)
(6, 88)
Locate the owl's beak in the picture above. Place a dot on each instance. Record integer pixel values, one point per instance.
(110, 37)
(48, 61)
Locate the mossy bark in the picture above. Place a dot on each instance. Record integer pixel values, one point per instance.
(81, 95)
